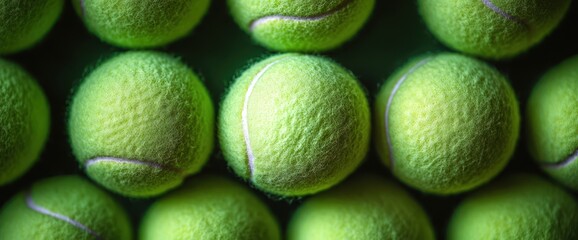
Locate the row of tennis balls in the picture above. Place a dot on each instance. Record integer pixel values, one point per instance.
(492, 29)
(293, 124)
(363, 207)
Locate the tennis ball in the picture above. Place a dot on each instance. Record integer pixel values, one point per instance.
(301, 25)
(24, 23)
(446, 123)
(294, 124)
(494, 29)
(24, 121)
(209, 207)
(552, 116)
(140, 123)
(516, 207)
(141, 23)
(63, 207)
(364, 207)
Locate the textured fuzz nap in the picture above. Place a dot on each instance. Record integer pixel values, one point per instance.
(140, 123)
(294, 124)
(552, 114)
(209, 207)
(24, 121)
(492, 28)
(65, 207)
(141, 23)
(517, 207)
(366, 207)
(24, 23)
(302, 25)
(446, 123)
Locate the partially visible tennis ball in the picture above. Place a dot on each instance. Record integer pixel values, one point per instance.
(516, 207)
(365, 207)
(24, 23)
(209, 207)
(24, 121)
(302, 25)
(493, 29)
(446, 123)
(552, 115)
(141, 23)
(294, 124)
(140, 123)
(64, 207)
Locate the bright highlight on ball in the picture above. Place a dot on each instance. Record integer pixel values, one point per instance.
(294, 124)
(140, 123)
(303, 25)
(446, 123)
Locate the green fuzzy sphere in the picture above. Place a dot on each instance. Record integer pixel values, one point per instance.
(446, 123)
(24, 121)
(366, 207)
(140, 123)
(494, 29)
(552, 116)
(141, 23)
(24, 23)
(301, 25)
(517, 207)
(294, 124)
(64, 207)
(209, 207)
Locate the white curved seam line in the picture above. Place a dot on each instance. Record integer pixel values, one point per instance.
(245, 121)
(572, 158)
(255, 23)
(504, 14)
(122, 160)
(388, 106)
(37, 208)
(83, 8)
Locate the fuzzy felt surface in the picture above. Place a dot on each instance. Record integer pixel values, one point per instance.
(140, 123)
(141, 23)
(494, 29)
(364, 207)
(64, 207)
(303, 25)
(516, 207)
(446, 123)
(24, 121)
(294, 124)
(23, 23)
(552, 116)
(209, 207)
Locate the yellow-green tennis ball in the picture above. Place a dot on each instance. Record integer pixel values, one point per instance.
(294, 124)
(141, 23)
(301, 25)
(552, 116)
(24, 121)
(493, 29)
(24, 23)
(446, 123)
(140, 123)
(365, 207)
(209, 207)
(63, 207)
(517, 207)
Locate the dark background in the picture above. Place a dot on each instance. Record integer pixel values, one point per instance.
(218, 51)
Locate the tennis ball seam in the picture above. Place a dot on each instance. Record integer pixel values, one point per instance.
(96, 160)
(564, 163)
(44, 211)
(390, 100)
(489, 4)
(244, 116)
(82, 8)
(315, 17)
